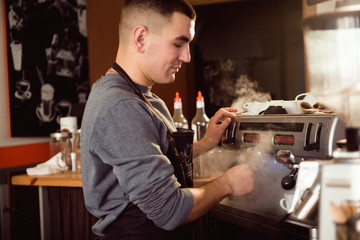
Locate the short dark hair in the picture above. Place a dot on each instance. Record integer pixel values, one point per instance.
(163, 7)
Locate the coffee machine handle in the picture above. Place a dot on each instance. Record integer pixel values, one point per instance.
(289, 181)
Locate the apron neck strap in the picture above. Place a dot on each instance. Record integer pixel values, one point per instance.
(122, 73)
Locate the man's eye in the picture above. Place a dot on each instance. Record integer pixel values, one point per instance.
(177, 45)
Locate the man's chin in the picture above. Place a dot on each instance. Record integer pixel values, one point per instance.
(170, 79)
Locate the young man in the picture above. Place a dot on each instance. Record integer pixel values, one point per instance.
(128, 180)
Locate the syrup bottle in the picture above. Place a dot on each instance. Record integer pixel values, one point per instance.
(200, 121)
(178, 117)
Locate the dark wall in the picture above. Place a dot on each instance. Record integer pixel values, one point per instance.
(261, 39)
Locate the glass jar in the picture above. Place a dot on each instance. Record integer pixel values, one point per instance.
(77, 150)
(61, 142)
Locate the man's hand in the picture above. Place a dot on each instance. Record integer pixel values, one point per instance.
(239, 179)
(236, 181)
(214, 131)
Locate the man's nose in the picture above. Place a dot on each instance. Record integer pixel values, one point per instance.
(185, 54)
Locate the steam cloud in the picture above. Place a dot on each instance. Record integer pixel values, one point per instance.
(220, 159)
(228, 88)
(246, 91)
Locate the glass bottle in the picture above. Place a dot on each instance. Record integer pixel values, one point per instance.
(200, 121)
(178, 117)
(199, 124)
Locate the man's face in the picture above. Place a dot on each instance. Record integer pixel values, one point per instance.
(166, 51)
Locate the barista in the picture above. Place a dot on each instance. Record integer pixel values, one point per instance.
(128, 181)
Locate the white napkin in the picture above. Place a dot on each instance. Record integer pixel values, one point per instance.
(51, 166)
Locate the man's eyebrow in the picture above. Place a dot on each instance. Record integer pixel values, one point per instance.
(183, 38)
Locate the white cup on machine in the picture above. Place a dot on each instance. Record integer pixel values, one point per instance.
(286, 201)
(306, 97)
(255, 108)
(291, 106)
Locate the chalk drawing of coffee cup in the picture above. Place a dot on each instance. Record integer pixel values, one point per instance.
(22, 89)
(45, 110)
(16, 51)
(63, 109)
(82, 94)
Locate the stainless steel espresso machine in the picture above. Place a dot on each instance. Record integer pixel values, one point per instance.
(285, 151)
(307, 166)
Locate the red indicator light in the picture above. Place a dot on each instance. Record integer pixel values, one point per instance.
(288, 140)
(251, 137)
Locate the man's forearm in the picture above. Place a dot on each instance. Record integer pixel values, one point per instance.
(207, 196)
(200, 147)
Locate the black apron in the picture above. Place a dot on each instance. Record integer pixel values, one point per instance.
(133, 224)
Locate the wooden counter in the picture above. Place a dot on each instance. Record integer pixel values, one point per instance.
(64, 179)
(68, 179)
(53, 185)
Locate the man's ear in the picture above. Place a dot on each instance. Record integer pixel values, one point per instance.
(140, 33)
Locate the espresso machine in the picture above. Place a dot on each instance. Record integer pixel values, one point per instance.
(286, 152)
(332, 49)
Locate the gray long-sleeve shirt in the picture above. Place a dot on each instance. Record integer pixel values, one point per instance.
(123, 147)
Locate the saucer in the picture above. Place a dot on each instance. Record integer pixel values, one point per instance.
(23, 96)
